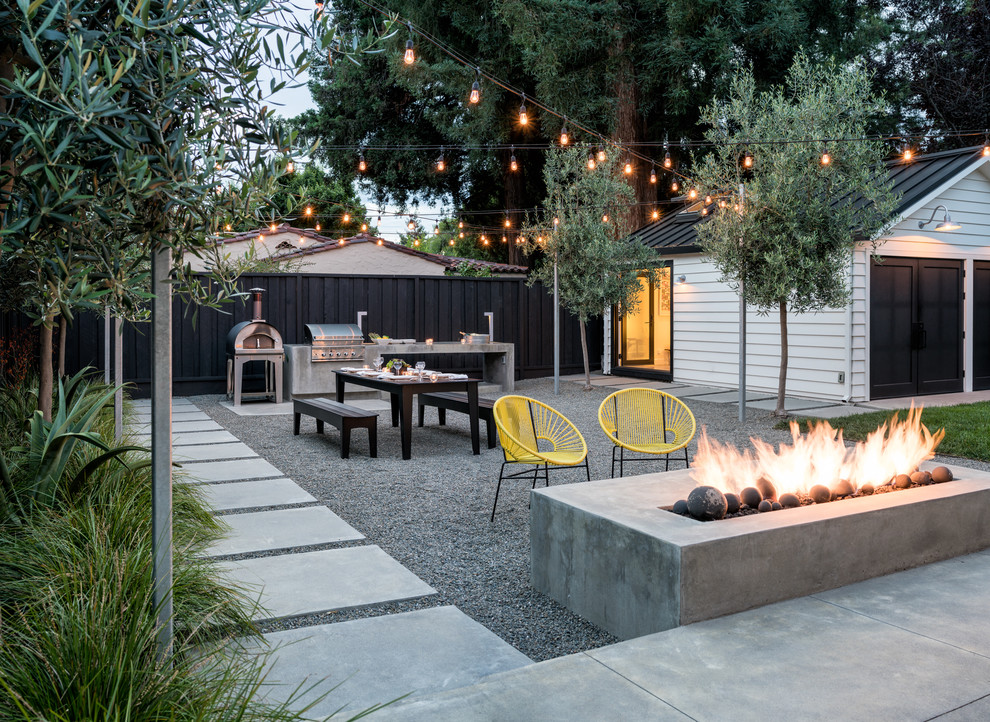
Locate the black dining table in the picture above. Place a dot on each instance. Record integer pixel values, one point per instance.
(401, 394)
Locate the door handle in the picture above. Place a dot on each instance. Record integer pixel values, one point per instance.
(919, 336)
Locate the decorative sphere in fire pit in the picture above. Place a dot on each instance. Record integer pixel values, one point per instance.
(867, 489)
(842, 488)
(706, 503)
(680, 507)
(751, 496)
(767, 489)
(820, 494)
(789, 501)
(941, 474)
(765, 505)
(902, 481)
(731, 503)
(921, 478)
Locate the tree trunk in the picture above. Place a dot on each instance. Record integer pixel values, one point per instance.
(782, 377)
(630, 128)
(45, 370)
(584, 354)
(63, 329)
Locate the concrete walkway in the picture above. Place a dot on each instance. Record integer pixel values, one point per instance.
(274, 525)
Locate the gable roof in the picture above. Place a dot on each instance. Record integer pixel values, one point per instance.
(323, 244)
(915, 181)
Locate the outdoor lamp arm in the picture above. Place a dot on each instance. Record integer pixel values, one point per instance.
(922, 224)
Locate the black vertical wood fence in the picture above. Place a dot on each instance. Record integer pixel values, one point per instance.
(436, 307)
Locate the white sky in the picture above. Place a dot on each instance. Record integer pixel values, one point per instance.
(292, 101)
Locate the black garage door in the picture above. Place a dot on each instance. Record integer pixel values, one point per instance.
(981, 325)
(916, 327)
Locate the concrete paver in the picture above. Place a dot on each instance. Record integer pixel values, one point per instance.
(834, 412)
(976, 711)
(231, 470)
(182, 426)
(138, 419)
(699, 391)
(259, 408)
(790, 404)
(324, 581)
(567, 689)
(253, 494)
(282, 529)
(429, 650)
(213, 452)
(731, 397)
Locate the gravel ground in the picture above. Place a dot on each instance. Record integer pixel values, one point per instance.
(431, 513)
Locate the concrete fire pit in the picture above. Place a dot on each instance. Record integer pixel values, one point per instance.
(605, 551)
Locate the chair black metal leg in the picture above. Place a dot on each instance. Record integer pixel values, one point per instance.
(666, 458)
(613, 460)
(497, 489)
(587, 471)
(687, 462)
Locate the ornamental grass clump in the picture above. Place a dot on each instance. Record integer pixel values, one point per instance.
(77, 619)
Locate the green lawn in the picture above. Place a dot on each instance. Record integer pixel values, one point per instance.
(967, 427)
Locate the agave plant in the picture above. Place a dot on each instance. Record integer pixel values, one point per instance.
(39, 470)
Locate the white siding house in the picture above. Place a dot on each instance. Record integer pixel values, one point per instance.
(830, 352)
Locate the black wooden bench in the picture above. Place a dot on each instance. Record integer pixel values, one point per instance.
(342, 416)
(458, 401)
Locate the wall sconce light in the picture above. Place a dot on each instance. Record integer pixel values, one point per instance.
(681, 280)
(945, 225)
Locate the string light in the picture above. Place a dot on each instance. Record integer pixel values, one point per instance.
(747, 160)
(379, 241)
(704, 211)
(459, 235)
(605, 218)
(290, 167)
(826, 157)
(227, 227)
(347, 218)
(601, 154)
(309, 210)
(556, 222)
(364, 228)
(484, 239)
(986, 143)
(692, 194)
(411, 225)
(300, 240)
(591, 161)
(513, 165)
(452, 240)
(378, 223)
(565, 138)
(362, 166)
(416, 242)
(441, 163)
(272, 227)
(436, 230)
(656, 214)
(721, 203)
(667, 162)
(708, 200)
(674, 185)
(504, 239)
(628, 167)
(475, 96)
(508, 223)
(410, 56)
(523, 115)
(317, 227)
(460, 224)
(653, 176)
(261, 238)
(908, 153)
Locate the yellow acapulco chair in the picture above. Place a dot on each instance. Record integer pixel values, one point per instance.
(646, 421)
(531, 432)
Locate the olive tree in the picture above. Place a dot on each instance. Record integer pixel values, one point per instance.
(786, 238)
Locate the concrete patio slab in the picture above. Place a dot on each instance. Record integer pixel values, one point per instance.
(976, 711)
(616, 381)
(729, 397)
(801, 659)
(697, 391)
(195, 438)
(259, 408)
(429, 650)
(282, 529)
(252, 494)
(183, 415)
(833, 412)
(233, 470)
(790, 404)
(146, 403)
(920, 601)
(181, 426)
(566, 689)
(213, 452)
(292, 584)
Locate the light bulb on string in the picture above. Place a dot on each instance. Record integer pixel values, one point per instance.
(364, 228)
(347, 218)
(704, 211)
(261, 238)
(627, 168)
(436, 230)
(986, 143)
(379, 241)
(475, 96)
(605, 218)
(692, 194)
(452, 240)
(379, 221)
(362, 166)
(721, 203)
(484, 239)
(410, 56)
(504, 239)
(907, 154)
(309, 210)
(317, 227)
(411, 225)
(601, 154)
(708, 199)
(653, 176)
(272, 227)
(747, 160)
(667, 162)
(227, 227)
(655, 214)
(565, 137)
(556, 222)
(523, 115)
(674, 186)
(290, 167)
(513, 165)
(441, 163)
(460, 224)
(591, 161)
(416, 242)
(508, 223)
(826, 158)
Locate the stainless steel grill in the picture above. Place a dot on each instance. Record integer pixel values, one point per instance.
(254, 340)
(334, 341)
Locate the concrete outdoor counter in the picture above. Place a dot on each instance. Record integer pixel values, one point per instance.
(605, 551)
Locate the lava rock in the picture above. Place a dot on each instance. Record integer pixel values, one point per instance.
(921, 478)
(767, 489)
(842, 488)
(776, 505)
(751, 496)
(820, 494)
(789, 501)
(680, 507)
(866, 489)
(902, 481)
(706, 503)
(765, 505)
(731, 503)
(941, 474)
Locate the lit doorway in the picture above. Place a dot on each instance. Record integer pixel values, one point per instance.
(645, 333)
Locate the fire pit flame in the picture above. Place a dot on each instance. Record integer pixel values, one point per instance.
(818, 457)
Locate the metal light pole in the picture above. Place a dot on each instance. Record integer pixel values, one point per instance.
(742, 321)
(556, 330)
(161, 443)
